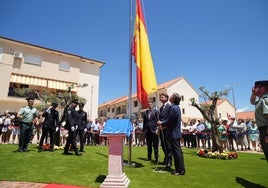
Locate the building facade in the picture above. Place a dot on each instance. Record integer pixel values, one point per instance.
(24, 65)
(118, 108)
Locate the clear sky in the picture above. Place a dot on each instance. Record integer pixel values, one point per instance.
(211, 43)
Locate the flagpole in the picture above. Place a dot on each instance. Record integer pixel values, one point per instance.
(130, 79)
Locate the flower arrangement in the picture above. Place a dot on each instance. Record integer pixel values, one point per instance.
(216, 155)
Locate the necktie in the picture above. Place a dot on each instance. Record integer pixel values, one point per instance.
(162, 108)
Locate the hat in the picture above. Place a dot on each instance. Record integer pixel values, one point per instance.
(81, 104)
(75, 101)
(30, 97)
(54, 104)
(261, 83)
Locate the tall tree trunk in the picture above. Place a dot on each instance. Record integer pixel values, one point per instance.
(216, 143)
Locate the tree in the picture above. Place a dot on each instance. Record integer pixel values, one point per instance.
(209, 111)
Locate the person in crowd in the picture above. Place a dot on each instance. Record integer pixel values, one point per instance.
(28, 116)
(173, 128)
(6, 128)
(63, 135)
(185, 134)
(95, 128)
(150, 118)
(232, 134)
(259, 98)
(89, 138)
(50, 126)
(138, 132)
(200, 134)
(16, 127)
(248, 124)
(222, 130)
(71, 118)
(166, 145)
(38, 127)
(208, 133)
(82, 122)
(192, 133)
(241, 134)
(254, 135)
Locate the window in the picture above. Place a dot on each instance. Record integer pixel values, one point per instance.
(182, 98)
(64, 66)
(135, 103)
(183, 111)
(1, 54)
(34, 60)
(112, 110)
(108, 109)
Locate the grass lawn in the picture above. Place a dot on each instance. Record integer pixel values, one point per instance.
(249, 170)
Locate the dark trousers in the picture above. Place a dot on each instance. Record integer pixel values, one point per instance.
(81, 134)
(45, 132)
(26, 131)
(71, 140)
(264, 145)
(166, 147)
(152, 142)
(177, 154)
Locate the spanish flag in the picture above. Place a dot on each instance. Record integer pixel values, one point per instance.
(146, 81)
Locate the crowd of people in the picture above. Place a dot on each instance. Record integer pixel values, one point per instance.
(196, 133)
(157, 127)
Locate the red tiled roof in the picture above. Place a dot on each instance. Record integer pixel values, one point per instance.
(246, 115)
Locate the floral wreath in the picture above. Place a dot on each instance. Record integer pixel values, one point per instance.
(217, 155)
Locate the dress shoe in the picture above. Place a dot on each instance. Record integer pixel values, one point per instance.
(66, 153)
(20, 150)
(40, 150)
(176, 173)
(82, 151)
(78, 153)
(167, 168)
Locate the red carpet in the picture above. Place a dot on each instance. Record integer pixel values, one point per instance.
(62, 186)
(16, 184)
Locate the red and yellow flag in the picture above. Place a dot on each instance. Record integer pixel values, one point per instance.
(146, 81)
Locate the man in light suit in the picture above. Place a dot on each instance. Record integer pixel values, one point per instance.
(173, 130)
(150, 119)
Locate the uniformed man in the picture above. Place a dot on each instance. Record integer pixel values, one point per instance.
(82, 122)
(50, 126)
(259, 98)
(28, 115)
(71, 118)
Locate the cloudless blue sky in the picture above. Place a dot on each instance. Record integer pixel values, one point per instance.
(211, 43)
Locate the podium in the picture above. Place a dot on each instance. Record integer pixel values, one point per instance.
(116, 130)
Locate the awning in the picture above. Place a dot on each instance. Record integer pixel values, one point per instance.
(53, 84)
(15, 78)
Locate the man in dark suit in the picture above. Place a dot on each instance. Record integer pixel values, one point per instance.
(82, 122)
(50, 126)
(166, 146)
(173, 130)
(150, 119)
(71, 117)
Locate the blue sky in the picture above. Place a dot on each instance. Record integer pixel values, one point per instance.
(211, 43)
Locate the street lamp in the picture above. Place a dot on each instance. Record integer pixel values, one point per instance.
(232, 89)
(91, 99)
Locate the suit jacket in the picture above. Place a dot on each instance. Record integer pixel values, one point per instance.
(82, 119)
(164, 111)
(150, 122)
(173, 122)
